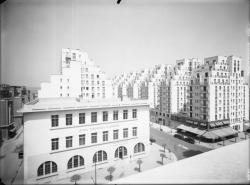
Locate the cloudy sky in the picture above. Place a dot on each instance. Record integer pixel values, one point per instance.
(120, 38)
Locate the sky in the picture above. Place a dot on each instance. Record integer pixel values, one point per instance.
(133, 35)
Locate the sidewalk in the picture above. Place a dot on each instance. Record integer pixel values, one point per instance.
(11, 168)
(125, 167)
(163, 127)
(170, 131)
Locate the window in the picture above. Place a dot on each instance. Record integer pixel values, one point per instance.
(47, 168)
(105, 136)
(105, 115)
(100, 156)
(68, 119)
(115, 115)
(125, 133)
(115, 134)
(54, 120)
(93, 117)
(134, 132)
(125, 114)
(81, 118)
(139, 147)
(69, 141)
(75, 162)
(121, 152)
(134, 113)
(55, 144)
(82, 139)
(94, 137)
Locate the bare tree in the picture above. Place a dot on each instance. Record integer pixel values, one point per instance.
(111, 170)
(162, 157)
(139, 162)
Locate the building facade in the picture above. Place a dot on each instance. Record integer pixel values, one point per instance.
(79, 77)
(66, 135)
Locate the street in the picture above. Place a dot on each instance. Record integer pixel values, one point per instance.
(180, 148)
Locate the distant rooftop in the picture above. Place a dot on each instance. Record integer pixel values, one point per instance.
(68, 103)
(229, 164)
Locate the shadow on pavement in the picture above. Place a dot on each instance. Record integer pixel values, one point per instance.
(136, 169)
(190, 153)
(159, 162)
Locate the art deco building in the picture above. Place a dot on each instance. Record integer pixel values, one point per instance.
(217, 93)
(79, 76)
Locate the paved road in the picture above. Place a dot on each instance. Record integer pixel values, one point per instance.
(180, 148)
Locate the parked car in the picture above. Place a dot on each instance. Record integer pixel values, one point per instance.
(178, 136)
(20, 155)
(189, 140)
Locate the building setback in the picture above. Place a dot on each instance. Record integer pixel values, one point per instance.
(67, 135)
(79, 77)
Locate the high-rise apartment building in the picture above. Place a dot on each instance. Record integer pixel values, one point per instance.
(217, 92)
(79, 76)
(142, 84)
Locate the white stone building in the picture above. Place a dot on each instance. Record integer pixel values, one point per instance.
(217, 92)
(79, 76)
(63, 136)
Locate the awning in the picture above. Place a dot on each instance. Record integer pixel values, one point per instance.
(219, 133)
(190, 129)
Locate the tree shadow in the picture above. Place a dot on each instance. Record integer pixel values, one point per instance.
(121, 175)
(159, 162)
(136, 169)
(109, 177)
(162, 151)
(190, 153)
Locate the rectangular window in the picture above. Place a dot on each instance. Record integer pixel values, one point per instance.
(69, 141)
(54, 120)
(68, 119)
(134, 113)
(115, 134)
(93, 117)
(82, 139)
(115, 115)
(81, 118)
(94, 137)
(105, 136)
(125, 114)
(105, 116)
(125, 133)
(134, 131)
(55, 144)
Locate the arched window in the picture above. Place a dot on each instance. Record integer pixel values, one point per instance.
(47, 168)
(75, 161)
(100, 156)
(121, 152)
(139, 147)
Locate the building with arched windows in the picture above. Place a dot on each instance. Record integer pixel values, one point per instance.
(64, 136)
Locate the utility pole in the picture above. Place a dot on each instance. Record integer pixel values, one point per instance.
(95, 172)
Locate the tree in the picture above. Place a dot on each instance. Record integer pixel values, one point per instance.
(75, 178)
(152, 140)
(111, 169)
(139, 162)
(164, 147)
(162, 157)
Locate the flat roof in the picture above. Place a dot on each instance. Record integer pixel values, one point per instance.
(228, 164)
(69, 103)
